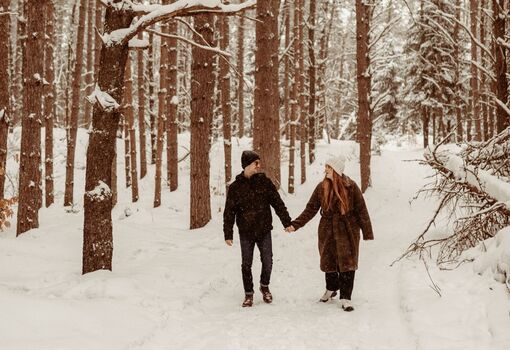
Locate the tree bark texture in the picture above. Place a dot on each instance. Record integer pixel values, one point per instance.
(202, 90)
(364, 129)
(312, 80)
(89, 73)
(302, 108)
(30, 153)
(4, 91)
(49, 101)
(286, 71)
(75, 107)
(97, 230)
(266, 129)
(458, 84)
(161, 122)
(240, 85)
(502, 118)
(130, 119)
(172, 107)
(140, 66)
(224, 78)
(475, 95)
(152, 98)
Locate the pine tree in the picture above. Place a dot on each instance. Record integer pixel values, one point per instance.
(30, 153)
(4, 91)
(202, 90)
(266, 130)
(49, 101)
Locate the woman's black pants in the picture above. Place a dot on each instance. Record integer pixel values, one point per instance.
(341, 280)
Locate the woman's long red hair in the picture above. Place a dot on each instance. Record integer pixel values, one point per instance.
(335, 188)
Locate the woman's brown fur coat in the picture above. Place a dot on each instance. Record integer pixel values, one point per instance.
(339, 235)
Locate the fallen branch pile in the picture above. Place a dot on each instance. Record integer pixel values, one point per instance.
(474, 186)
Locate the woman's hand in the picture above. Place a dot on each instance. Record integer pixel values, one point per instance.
(290, 229)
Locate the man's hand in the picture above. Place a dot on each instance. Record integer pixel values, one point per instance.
(229, 242)
(290, 229)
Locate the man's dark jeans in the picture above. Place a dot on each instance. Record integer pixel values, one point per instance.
(265, 246)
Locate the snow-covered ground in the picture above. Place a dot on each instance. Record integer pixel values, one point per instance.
(172, 288)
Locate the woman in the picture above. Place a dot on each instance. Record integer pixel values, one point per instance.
(344, 213)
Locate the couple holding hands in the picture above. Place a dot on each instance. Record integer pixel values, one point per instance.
(343, 214)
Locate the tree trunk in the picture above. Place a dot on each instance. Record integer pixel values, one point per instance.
(127, 154)
(172, 104)
(458, 83)
(364, 129)
(266, 130)
(89, 74)
(312, 78)
(4, 91)
(224, 78)
(293, 104)
(30, 153)
(97, 42)
(483, 86)
(141, 110)
(49, 102)
(240, 69)
(302, 109)
(97, 230)
(475, 105)
(152, 98)
(75, 107)
(18, 69)
(202, 90)
(425, 122)
(502, 118)
(286, 71)
(161, 116)
(130, 119)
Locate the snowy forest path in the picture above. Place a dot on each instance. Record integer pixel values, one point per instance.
(210, 316)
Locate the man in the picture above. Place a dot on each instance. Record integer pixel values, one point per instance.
(249, 201)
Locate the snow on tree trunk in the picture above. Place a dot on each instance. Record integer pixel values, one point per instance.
(266, 122)
(49, 102)
(75, 107)
(240, 69)
(4, 90)
(97, 230)
(202, 90)
(140, 66)
(224, 77)
(30, 153)
(364, 129)
(172, 102)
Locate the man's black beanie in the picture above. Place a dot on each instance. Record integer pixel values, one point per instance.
(248, 157)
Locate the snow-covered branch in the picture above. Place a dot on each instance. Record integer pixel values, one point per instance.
(151, 14)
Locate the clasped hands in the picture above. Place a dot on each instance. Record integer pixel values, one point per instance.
(288, 229)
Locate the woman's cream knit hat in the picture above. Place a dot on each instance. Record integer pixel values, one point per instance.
(337, 163)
